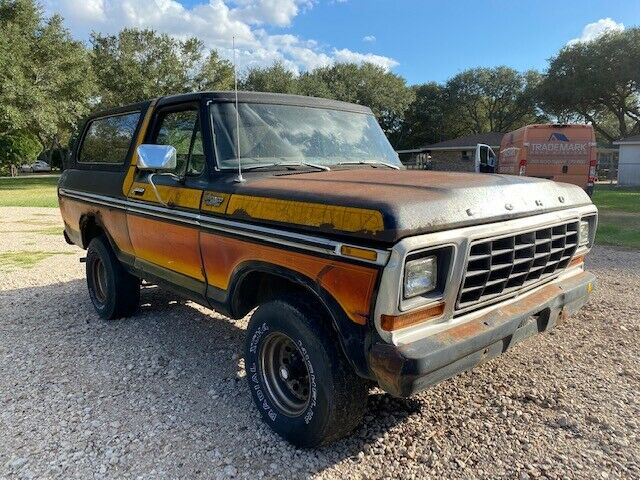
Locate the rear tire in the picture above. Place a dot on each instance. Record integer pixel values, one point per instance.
(300, 381)
(114, 292)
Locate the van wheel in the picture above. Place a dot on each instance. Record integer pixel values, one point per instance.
(300, 381)
(114, 292)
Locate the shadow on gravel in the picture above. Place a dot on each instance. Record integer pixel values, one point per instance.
(171, 376)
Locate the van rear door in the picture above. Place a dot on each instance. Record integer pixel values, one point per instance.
(560, 152)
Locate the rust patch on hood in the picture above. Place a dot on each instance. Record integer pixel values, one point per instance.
(388, 204)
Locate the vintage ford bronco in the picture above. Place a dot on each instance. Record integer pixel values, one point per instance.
(363, 273)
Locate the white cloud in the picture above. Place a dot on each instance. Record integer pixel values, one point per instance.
(347, 56)
(274, 12)
(591, 31)
(369, 38)
(215, 23)
(90, 10)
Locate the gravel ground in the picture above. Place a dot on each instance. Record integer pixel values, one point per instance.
(162, 395)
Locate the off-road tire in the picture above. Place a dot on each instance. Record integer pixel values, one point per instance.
(337, 395)
(114, 292)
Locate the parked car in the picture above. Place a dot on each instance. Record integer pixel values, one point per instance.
(37, 166)
(362, 272)
(40, 166)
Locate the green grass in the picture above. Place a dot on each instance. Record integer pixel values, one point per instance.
(29, 192)
(52, 230)
(618, 199)
(10, 261)
(619, 220)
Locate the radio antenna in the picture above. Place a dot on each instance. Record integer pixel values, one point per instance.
(239, 178)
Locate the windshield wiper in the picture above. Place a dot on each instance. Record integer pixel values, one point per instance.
(306, 164)
(287, 165)
(370, 162)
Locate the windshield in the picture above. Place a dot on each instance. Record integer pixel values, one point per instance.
(287, 134)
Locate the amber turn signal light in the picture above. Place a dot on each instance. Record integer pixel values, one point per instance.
(396, 322)
(576, 261)
(355, 252)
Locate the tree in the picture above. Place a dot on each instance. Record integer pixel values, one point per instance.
(214, 74)
(136, 65)
(276, 78)
(18, 22)
(493, 99)
(384, 92)
(17, 148)
(45, 75)
(424, 121)
(598, 82)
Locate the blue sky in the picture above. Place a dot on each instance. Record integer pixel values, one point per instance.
(422, 40)
(433, 40)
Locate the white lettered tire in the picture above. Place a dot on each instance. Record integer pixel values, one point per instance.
(300, 381)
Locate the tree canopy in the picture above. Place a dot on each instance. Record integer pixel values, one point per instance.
(136, 65)
(493, 99)
(275, 78)
(598, 82)
(46, 80)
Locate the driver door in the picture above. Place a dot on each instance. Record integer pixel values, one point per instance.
(164, 243)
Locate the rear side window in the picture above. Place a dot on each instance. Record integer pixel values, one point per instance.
(108, 139)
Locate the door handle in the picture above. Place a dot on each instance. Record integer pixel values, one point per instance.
(138, 191)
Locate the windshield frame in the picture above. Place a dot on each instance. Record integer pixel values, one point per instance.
(308, 103)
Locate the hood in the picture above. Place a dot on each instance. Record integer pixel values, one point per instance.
(408, 202)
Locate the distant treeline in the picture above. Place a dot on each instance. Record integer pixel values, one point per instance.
(48, 81)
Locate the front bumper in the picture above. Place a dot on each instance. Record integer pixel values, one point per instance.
(406, 369)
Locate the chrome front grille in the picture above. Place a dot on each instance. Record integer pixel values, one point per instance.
(499, 266)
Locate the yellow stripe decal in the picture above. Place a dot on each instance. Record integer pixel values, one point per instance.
(173, 196)
(346, 219)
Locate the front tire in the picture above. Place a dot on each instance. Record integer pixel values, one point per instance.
(114, 292)
(300, 381)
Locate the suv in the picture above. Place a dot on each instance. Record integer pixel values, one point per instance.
(363, 273)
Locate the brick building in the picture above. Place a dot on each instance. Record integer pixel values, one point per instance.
(451, 155)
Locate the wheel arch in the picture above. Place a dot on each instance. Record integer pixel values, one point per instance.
(92, 226)
(256, 282)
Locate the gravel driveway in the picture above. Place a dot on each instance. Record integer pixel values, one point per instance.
(162, 395)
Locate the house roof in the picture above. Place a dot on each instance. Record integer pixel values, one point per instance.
(492, 139)
(635, 139)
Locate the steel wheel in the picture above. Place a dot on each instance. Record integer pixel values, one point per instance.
(285, 374)
(100, 280)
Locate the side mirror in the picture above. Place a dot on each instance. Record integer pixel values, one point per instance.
(156, 157)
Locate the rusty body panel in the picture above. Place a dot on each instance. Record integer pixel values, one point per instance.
(405, 369)
(112, 220)
(174, 247)
(412, 202)
(351, 285)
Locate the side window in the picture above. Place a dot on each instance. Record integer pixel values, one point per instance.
(182, 131)
(108, 139)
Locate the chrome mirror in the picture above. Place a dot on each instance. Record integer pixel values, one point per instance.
(156, 157)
